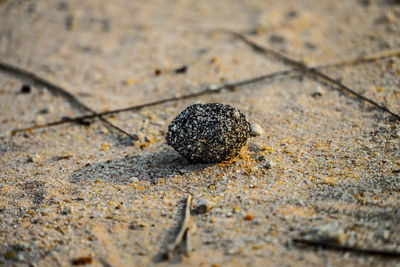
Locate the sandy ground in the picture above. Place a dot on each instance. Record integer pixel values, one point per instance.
(86, 192)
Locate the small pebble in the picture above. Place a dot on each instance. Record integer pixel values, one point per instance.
(137, 225)
(365, 2)
(181, 70)
(261, 158)
(39, 120)
(47, 110)
(269, 164)
(276, 39)
(35, 158)
(82, 261)
(157, 72)
(98, 76)
(203, 205)
(213, 87)
(104, 130)
(20, 246)
(292, 14)
(25, 89)
(63, 155)
(134, 179)
(70, 23)
(148, 138)
(256, 129)
(249, 217)
(318, 91)
(20, 257)
(149, 115)
(332, 181)
(386, 234)
(10, 255)
(234, 250)
(331, 232)
(310, 46)
(66, 211)
(135, 137)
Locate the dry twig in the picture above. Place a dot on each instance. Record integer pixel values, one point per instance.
(359, 60)
(332, 246)
(314, 72)
(155, 103)
(56, 90)
(183, 233)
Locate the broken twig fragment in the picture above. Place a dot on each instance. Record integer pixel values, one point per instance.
(56, 90)
(183, 233)
(338, 247)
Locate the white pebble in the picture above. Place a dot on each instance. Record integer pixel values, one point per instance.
(35, 158)
(213, 87)
(386, 234)
(134, 179)
(256, 129)
(270, 164)
(104, 130)
(39, 120)
(318, 91)
(20, 257)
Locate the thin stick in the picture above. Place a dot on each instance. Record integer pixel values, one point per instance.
(183, 228)
(313, 71)
(351, 91)
(360, 60)
(264, 77)
(187, 242)
(35, 79)
(332, 246)
(56, 90)
(155, 103)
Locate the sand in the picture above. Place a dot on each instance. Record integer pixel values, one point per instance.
(326, 167)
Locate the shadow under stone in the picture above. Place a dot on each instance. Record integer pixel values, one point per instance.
(146, 166)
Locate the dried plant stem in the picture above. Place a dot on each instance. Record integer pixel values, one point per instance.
(314, 72)
(332, 246)
(300, 67)
(56, 90)
(182, 233)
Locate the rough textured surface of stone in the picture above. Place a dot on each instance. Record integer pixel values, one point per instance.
(208, 132)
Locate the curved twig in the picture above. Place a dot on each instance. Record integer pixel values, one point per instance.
(314, 72)
(56, 90)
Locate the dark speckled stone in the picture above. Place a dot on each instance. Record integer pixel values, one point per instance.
(209, 132)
